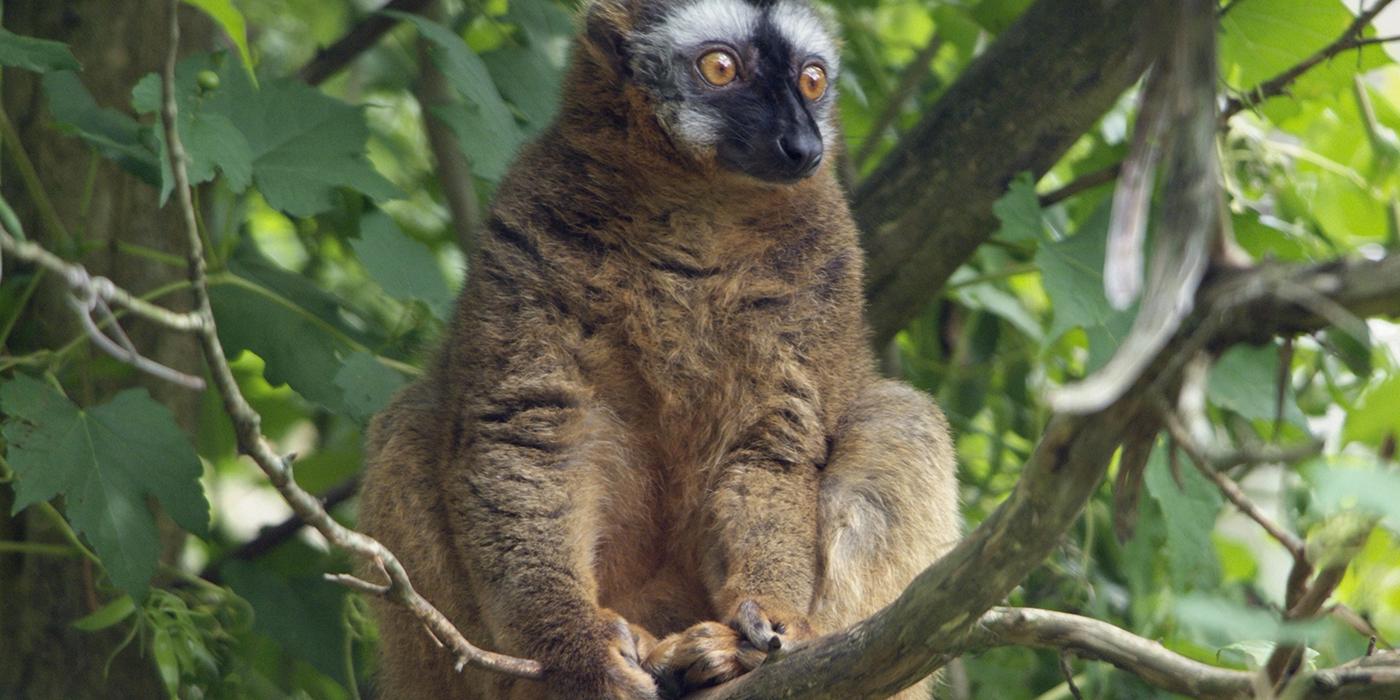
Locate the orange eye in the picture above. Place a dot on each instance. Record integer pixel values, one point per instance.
(812, 82)
(718, 68)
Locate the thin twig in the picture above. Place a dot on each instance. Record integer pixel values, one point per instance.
(96, 286)
(1273, 87)
(1154, 663)
(1200, 456)
(271, 537)
(1082, 183)
(88, 294)
(1068, 673)
(1278, 85)
(333, 58)
(248, 430)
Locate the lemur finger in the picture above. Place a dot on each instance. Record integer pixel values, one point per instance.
(753, 623)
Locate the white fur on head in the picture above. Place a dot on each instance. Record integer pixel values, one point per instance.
(806, 32)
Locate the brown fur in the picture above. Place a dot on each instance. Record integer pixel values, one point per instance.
(656, 404)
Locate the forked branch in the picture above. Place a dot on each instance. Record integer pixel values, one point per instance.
(248, 431)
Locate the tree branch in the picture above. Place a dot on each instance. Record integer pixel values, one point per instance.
(331, 59)
(928, 205)
(1273, 87)
(454, 173)
(929, 623)
(269, 538)
(1200, 457)
(248, 431)
(1154, 663)
(1277, 85)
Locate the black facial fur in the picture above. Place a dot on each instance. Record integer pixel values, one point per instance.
(769, 130)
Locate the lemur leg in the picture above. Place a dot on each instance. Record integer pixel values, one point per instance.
(886, 508)
(888, 505)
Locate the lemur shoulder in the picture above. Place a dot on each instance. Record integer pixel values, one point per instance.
(656, 415)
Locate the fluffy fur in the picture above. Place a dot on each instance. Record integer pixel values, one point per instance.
(655, 415)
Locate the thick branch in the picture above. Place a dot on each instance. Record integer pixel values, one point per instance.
(929, 622)
(1018, 107)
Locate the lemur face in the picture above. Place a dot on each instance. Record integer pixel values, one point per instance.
(749, 82)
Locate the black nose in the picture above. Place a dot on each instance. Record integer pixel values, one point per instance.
(801, 150)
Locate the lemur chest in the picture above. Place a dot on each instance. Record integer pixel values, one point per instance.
(694, 345)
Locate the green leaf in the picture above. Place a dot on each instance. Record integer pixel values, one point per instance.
(106, 461)
(1244, 380)
(1237, 560)
(228, 17)
(296, 144)
(167, 662)
(1250, 653)
(1369, 489)
(301, 613)
(528, 80)
(1262, 38)
(1072, 274)
(1227, 621)
(116, 136)
(1352, 348)
(107, 615)
(485, 128)
(1190, 511)
(295, 345)
(997, 15)
(1376, 414)
(304, 146)
(1019, 212)
(405, 268)
(367, 385)
(210, 139)
(547, 25)
(39, 55)
(993, 299)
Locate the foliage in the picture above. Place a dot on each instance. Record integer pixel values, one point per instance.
(333, 268)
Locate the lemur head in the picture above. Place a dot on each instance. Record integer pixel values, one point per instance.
(749, 83)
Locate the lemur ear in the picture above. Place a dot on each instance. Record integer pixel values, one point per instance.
(607, 23)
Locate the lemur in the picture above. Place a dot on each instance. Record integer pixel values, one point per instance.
(656, 414)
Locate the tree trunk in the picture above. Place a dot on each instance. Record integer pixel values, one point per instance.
(40, 596)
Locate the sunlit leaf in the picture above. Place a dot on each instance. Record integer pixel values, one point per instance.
(1376, 414)
(228, 17)
(1019, 212)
